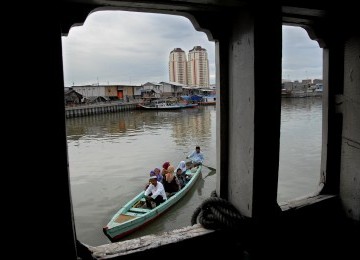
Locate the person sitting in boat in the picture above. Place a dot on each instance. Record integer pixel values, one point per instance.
(154, 193)
(158, 174)
(181, 176)
(171, 183)
(196, 157)
(155, 172)
(182, 166)
(165, 168)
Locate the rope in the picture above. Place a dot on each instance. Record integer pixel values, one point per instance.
(216, 213)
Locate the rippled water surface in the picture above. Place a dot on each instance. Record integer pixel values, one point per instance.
(111, 155)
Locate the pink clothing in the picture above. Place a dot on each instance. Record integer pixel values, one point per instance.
(166, 165)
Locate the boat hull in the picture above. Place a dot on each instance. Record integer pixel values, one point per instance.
(170, 107)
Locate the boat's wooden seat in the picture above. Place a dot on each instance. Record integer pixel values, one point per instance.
(133, 214)
(139, 210)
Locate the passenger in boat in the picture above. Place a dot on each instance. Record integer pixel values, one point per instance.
(164, 169)
(155, 172)
(182, 166)
(196, 157)
(171, 182)
(154, 193)
(181, 176)
(158, 174)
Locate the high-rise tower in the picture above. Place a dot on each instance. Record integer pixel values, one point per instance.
(177, 66)
(198, 67)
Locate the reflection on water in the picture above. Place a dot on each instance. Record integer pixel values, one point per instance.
(186, 125)
(111, 155)
(300, 147)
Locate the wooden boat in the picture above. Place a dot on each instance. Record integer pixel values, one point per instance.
(134, 214)
(208, 100)
(160, 105)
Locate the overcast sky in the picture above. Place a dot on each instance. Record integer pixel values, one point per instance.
(117, 47)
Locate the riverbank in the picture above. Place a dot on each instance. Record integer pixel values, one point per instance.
(102, 108)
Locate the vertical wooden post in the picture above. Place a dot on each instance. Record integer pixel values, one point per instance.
(250, 111)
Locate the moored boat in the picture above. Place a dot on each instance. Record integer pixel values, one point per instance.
(160, 105)
(208, 100)
(188, 105)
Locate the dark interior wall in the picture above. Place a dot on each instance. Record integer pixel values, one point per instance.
(42, 221)
(41, 218)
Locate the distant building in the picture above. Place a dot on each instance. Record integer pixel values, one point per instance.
(128, 92)
(90, 90)
(71, 97)
(174, 89)
(198, 67)
(177, 66)
(306, 81)
(317, 81)
(109, 92)
(193, 71)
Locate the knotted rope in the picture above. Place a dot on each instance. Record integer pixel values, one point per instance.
(217, 213)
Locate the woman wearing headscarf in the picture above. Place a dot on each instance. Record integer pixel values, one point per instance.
(171, 183)
(182, 166)
(158, 174)
(165, 168)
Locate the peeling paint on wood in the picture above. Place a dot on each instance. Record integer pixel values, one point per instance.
(143, 243)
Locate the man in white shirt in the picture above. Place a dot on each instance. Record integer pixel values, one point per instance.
(155, 192)
(196, 157)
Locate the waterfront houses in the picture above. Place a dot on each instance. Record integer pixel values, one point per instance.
(305, 88)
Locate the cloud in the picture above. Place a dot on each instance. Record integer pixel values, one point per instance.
(302, 57)
(119, 47)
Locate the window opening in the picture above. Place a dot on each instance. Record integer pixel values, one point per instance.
(301, 115)
(116, 58)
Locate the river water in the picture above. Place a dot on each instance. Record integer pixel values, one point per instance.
(111, 155)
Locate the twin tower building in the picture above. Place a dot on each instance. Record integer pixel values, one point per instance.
(193, 71)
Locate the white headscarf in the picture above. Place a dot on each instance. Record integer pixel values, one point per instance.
(182, 166)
